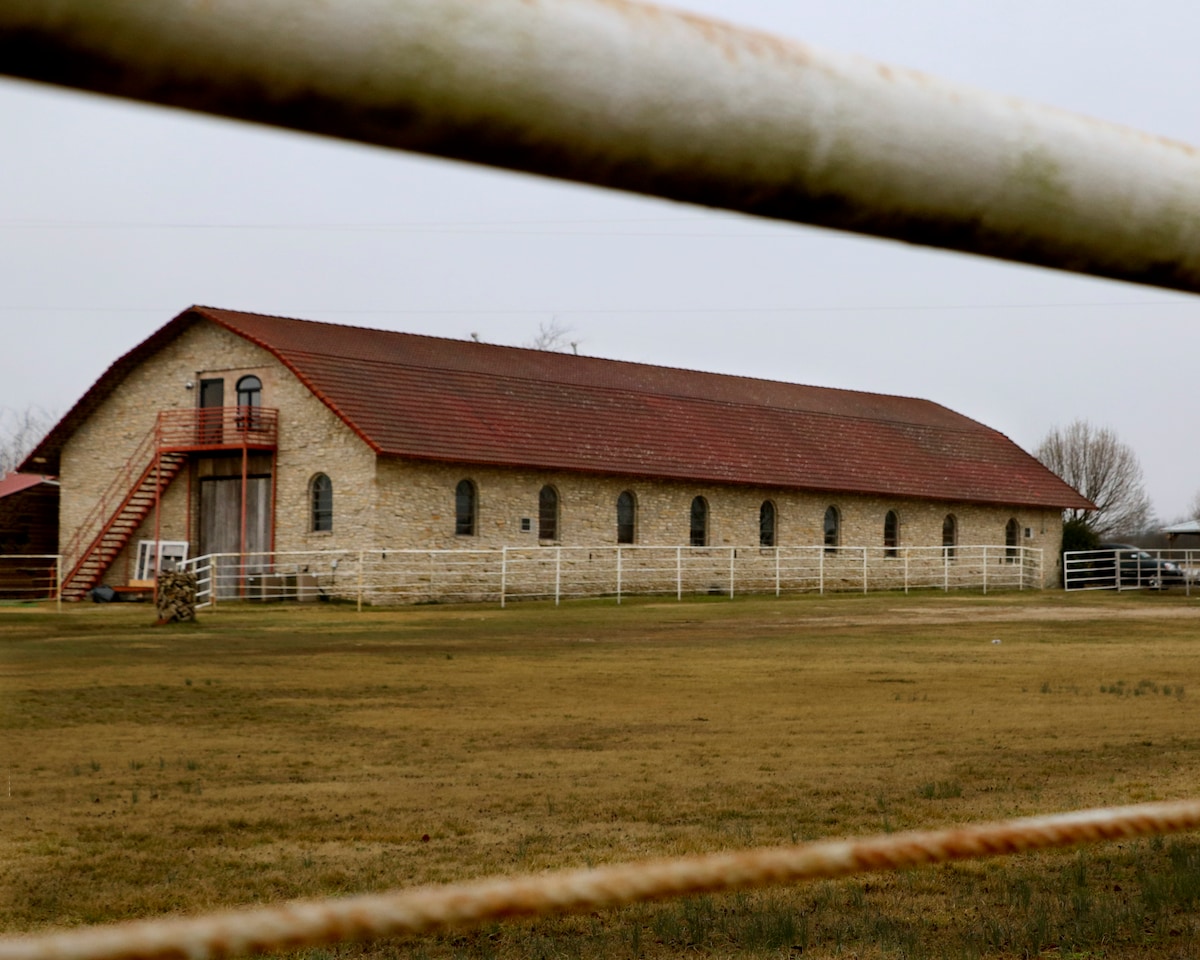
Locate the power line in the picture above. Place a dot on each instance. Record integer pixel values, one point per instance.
(633, 311)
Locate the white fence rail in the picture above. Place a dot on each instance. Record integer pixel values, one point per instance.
(30, 577)
(1131, 568)
(382, 576)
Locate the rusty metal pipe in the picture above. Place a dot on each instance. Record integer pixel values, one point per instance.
(639, 98)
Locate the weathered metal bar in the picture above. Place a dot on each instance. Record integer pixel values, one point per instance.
(639, 98)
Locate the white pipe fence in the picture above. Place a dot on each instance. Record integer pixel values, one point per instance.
(1131, 568)
(653, 101)
(31, 577)
(384, 576)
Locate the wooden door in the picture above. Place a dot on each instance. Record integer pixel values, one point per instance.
(221, 529)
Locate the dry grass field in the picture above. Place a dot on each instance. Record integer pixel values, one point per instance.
(297, 751)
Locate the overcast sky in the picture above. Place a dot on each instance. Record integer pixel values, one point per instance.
(114, 217)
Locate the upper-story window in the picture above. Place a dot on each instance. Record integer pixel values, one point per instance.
(766, 524)
(548, 514)
(699, 523)
(321, 503)
(249, 392)
(626, 518)
(891, 534)
(249, 398)
(833, 529)
(949, 535)
(1012, 530)
(464, 509)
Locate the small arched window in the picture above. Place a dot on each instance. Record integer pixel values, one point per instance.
(249, 399)
(891, 534)
(464, 509)
(1011, 531)
(699, 523)
(833, 529)
(949, 536)
(321, 503)
(249, 392)
(626, 518)
(548, 514)
(766, 524)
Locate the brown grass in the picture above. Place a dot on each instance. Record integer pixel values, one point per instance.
(288, 751)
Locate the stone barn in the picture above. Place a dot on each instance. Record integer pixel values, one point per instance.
(229, 432)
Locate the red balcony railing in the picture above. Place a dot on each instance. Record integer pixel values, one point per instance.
(218, 428)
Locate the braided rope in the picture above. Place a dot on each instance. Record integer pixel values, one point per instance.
(430, 909)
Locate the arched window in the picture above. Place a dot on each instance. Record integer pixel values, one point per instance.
(766, 524)
(249, 398)
(699, 525)
(626, 518)
(464, 509)
(321, 503)
(1011, 530)
(548, 514)
(249, 392)
(833, 529)
(891, 534)
(949, 536)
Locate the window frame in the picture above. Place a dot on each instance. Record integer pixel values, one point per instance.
(891, 537)
(549, 511)
(466, 520)
(698, 522)
(949, 536)
(320, 503)
(626, 518)
(768, 524)
(832, 532)
(247, 418)
(1012, 539)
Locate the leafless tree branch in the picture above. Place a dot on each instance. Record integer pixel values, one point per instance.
(553, 336)
(20, 432)
(1105, 470)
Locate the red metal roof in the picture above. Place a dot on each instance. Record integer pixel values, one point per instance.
(430, 398)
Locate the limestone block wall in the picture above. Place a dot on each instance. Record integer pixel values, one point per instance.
(102, 445)
(311, 439)
(416, 509)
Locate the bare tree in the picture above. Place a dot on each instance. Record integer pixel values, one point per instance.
(1194, 507)
(20, 431)
(553, 336)
(1105, 470)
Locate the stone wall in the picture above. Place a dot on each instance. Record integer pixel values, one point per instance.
(416, 508)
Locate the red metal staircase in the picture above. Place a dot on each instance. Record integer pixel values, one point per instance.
(140, 484)
(117, 515)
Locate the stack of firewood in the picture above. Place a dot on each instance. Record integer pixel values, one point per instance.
(176, 596)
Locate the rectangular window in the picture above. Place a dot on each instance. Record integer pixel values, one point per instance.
(156, 555)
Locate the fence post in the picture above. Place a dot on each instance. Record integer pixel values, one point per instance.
(732, 555)
(679, 573)
(945, 569)
(906, 569)
(503, 574)
(985, 571)
(360, 580)
(864, 553)
(557, 574)
(618, 576)
(58, 583)
(777, 571)
(821, 571)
